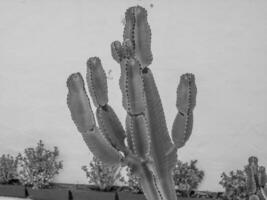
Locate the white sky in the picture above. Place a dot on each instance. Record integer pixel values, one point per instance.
(222, 42)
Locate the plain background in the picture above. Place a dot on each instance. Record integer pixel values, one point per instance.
(222, 42)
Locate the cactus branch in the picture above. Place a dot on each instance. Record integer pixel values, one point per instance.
(101, 147)
(79, 104)
(97, 81)
(186, 101)
(132, 87)
(160, 139)
(138, 31)
(111, 127)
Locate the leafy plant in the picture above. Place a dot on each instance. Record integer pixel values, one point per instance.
(8, 169)
(187, 176)
(234, 184)
(103, 176)
(38, 166)
(249, 183)
(133, 182)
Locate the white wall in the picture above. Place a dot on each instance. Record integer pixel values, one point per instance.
(222, 42)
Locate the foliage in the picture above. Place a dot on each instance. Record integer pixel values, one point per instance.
(38, 166)
(133, 182)
(8, 169)
(234, 185)
(187, 176)
(249, 183)
(103, 176)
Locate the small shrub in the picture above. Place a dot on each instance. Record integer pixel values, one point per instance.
(234, 185)
(187, 176)
(38, 166)
(102, 176)
(8, 169)
(133, 182)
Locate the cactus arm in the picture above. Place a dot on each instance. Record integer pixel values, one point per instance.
(116, 51)
(160, 139)
(138, 31)
(97, 81)
(83, 117)
(250, 180)
(79, 104)
(111, 127)
(122, 51)
(186, 101)
(132, 87)
(101, 147)
(181, 129)
(262, 176)
(106, 117)
(186, 93)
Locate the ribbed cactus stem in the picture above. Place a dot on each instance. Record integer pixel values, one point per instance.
(83, 116)
(132, 87)
(79, 104)
(186, 101)
(138, 31)
(250, 180)
(111, 127)
(150, 152)
(101, 147)
(116, 51)
(139, 135)
(262, 176)
(160, 139)
(97, 81)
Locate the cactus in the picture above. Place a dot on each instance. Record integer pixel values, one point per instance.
(256, 180)
(145, 145)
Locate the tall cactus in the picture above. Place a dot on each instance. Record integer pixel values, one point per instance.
(256, 180)
(145, 145)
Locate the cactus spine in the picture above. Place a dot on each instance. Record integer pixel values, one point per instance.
(256, 179)
(145, 145)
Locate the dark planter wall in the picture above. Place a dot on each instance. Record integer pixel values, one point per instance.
(92, 195)
(49, 194)
(130, 196)
(13, 191)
